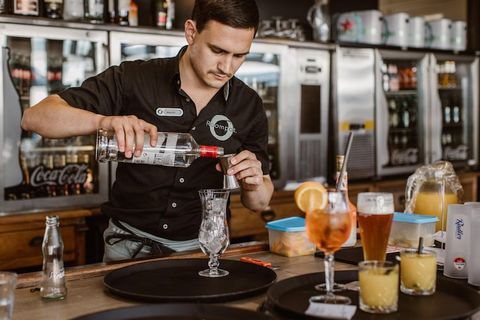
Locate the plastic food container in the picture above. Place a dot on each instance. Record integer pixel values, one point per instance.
(407, 228)
(288, 237)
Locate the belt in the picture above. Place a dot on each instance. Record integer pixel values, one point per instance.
(157, 248)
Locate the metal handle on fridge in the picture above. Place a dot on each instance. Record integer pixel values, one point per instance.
(435, 121)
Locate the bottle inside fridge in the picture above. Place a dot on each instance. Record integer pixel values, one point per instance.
(454, 146)
(38, 67)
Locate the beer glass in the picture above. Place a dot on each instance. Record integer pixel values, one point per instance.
(375, 214)
(213, 235)
(328, 228)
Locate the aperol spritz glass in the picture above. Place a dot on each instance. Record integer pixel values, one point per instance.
(328, 228)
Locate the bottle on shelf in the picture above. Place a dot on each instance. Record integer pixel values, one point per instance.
(3, 6)
(133, 14)
(27, 7)
(172, 150)
(394, 84)
(53, 9)
(170, 14)
(161, 13)
(123, 12)
(53, 284)
(94, 11)
(343, 186)
(73, 10)
(112, 11)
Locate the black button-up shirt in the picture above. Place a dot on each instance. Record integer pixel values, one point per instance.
(164, 201)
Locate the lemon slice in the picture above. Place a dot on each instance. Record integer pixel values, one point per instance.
(310, 195)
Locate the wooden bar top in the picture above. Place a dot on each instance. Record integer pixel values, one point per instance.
(86, 292)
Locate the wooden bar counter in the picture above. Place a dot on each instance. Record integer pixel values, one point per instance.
(86, 292)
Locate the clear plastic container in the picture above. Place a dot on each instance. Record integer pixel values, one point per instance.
(287, 237)
(407, 228)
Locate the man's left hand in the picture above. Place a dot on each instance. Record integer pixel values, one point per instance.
(247, 169)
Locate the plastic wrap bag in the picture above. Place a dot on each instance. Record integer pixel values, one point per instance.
(428, 186)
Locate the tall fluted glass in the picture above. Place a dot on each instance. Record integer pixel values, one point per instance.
(213, 235)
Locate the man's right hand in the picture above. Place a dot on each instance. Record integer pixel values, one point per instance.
(129, 132)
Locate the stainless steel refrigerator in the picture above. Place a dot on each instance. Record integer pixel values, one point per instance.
(39, 173)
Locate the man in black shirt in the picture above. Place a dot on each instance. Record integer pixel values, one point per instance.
(157, 209)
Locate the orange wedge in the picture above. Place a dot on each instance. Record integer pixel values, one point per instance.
(310, 195)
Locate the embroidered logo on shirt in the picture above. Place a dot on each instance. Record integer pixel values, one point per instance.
(169, 112)
(221, 127)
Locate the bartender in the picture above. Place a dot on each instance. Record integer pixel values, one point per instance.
(154, 209)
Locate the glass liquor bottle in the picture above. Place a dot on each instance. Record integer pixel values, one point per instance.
(161, 10)
(172, 149)
(343, 186)
(53, 274)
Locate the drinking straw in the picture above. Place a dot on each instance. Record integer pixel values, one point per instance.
(420, 245)
(344, 166)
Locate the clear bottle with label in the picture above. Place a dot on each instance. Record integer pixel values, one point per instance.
(172, 149)
(343, 186)
(53, 284)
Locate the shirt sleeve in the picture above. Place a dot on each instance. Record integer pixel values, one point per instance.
(257, 140)
(102, 94)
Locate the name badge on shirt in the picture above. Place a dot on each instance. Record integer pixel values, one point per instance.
(169, 112)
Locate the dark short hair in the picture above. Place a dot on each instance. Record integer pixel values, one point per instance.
(242, 14)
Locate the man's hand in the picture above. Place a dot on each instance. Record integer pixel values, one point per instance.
(247, 169)
(129, 132)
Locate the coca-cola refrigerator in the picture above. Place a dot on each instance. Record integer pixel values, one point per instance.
(454, 109)
(267, 69)
(402, 99)
(39, 173)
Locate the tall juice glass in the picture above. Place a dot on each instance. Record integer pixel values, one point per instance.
(328, 228)
(375, 215)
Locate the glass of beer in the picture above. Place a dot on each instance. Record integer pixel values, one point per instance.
(328, 228)
(375, 214)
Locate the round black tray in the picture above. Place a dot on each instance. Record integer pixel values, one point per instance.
(289, 298)
(177, 280)
(176, 312)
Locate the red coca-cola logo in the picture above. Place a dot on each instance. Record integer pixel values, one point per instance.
(70, 174)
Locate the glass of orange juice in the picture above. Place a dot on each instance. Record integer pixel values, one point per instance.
(328, 228)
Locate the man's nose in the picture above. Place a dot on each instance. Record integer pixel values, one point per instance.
(226, 65)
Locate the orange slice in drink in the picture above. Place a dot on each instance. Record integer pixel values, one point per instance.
(310, 195)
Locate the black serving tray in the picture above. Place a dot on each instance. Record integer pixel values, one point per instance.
(177, 280)
(289, 299)
(176, 312)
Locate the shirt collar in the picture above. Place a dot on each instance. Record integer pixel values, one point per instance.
(176, 75)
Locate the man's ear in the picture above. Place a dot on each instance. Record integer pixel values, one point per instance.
(190, 31)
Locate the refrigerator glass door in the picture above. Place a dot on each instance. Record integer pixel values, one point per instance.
(264, 70)
(401, 100)
(455, 103)
(46, 173)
